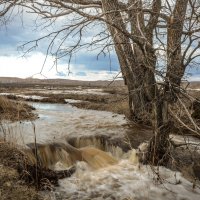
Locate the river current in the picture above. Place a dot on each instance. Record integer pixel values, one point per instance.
(127, 180)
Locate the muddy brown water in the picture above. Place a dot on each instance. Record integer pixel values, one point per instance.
(126, 180)
(58, 122)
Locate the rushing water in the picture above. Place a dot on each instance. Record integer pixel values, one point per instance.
(124, 181)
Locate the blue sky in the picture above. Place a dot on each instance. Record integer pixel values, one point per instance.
(84, 64)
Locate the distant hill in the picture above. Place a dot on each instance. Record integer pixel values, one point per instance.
(11, 81)
(61, 82)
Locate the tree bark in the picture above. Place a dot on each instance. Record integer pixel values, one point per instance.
(175, 67)
(139, 78)
(158, 152)
(159, 144)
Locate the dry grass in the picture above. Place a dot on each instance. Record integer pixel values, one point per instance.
(187, 161)
(13, 110)
(116, 101)
(119, 107)
(11, 187)
(10, 155)
(116, 90)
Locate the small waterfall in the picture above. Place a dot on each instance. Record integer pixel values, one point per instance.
(102, 142)
(125, 180)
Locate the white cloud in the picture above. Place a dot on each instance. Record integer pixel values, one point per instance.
(94, 75)
(12, 66)
(194, 77)
(22, 67)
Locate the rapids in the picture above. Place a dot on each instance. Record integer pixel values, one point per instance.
(126, 180)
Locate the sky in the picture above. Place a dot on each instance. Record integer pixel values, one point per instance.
(84, 65)
(14, 62)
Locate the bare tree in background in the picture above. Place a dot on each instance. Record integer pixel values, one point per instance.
(155, 40)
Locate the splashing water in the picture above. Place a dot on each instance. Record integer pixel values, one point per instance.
(125, 180)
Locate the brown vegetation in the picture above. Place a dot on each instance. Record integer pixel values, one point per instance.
(11, 189)
(186, 160)
(31, 174)
(11, 186)
(116, 101)
(13, 111)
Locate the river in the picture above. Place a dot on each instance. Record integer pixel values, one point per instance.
(127, 180)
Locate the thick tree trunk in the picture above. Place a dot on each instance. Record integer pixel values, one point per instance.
(158, 152)
(139, 71)
(139, 78)
(147, 103)
(175, 67)
(159, 145)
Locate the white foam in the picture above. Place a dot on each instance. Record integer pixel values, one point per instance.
(126, 181)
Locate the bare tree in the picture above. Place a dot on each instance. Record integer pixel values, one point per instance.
(5, 6)
(155, 40)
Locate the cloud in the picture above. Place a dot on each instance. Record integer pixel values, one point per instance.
(13, 66)
(22, 67)
(84, 64)
(61, 74)
(81, 74)
(94, 75)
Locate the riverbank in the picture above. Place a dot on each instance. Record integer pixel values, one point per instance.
(11, 186)
(11, 110)
(85, 127)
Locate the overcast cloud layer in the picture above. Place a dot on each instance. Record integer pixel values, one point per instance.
(84, 64)
(13, 63)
